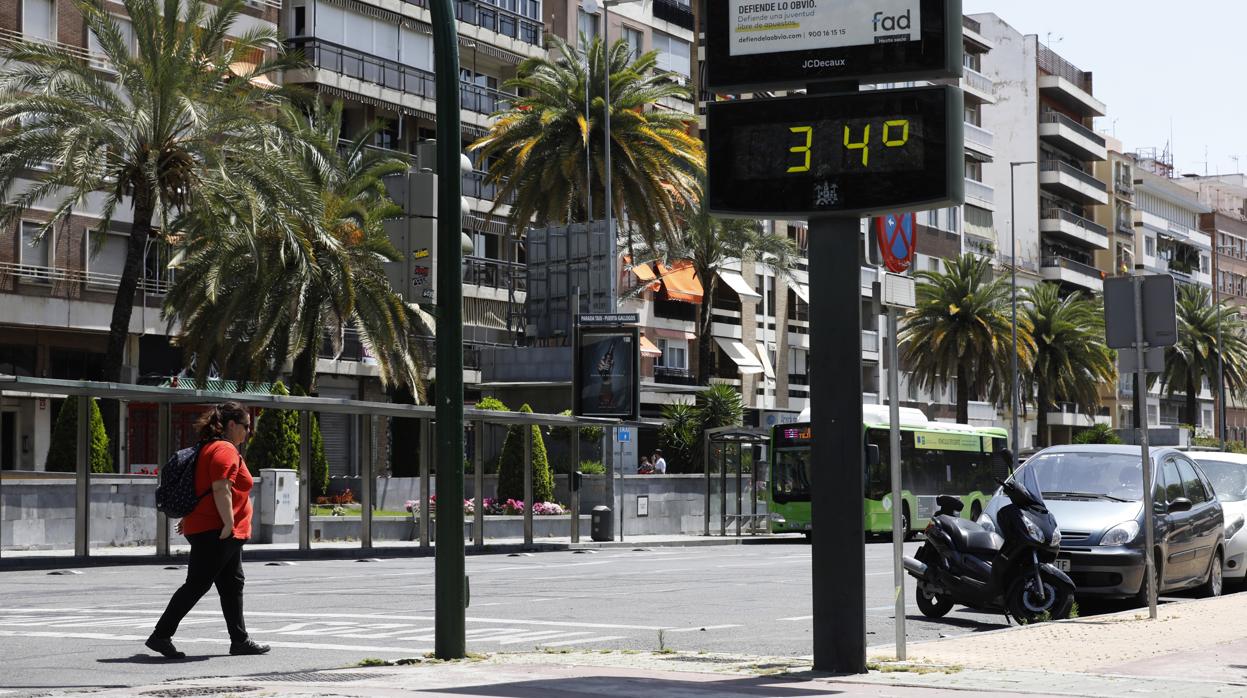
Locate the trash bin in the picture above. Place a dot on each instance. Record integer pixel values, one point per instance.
(603, 526)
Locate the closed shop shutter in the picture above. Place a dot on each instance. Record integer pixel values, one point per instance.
(338, 433)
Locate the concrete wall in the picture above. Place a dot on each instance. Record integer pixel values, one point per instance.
(39, 514)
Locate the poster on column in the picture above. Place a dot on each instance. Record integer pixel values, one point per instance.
(606, 372)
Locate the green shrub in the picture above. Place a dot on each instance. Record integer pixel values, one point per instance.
(63, 453)
(678, 438)
(491, 403)
(1098, 434)
(511, 465)
(592, 467)
(275, 444)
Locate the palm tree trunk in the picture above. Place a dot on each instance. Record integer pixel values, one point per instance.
(303, 373)
(1192, 406)
(705, 321)
(123, 304)
(1041, 415)
(963, 393)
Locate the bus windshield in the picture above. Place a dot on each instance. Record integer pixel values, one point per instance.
(791, 481)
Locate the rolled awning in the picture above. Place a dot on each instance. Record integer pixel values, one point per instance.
(643, 272)
(648, 348)
(738, 284)
(765, 356)
(740, 355)
(244, 68)
(680, 281)
(802, 291)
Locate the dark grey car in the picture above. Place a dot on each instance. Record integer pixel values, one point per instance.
(1096, 494)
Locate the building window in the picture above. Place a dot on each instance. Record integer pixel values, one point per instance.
(674, 353)
(634, 40)
(1149, 246)
(104, 258)
(35, 254)
(39, 19)
(973, 61)
(674, 54)
(587, 25)
(300, 21)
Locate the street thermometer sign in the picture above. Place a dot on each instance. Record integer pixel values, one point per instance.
(855, 153)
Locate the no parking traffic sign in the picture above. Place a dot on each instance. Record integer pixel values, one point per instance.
(895, 233)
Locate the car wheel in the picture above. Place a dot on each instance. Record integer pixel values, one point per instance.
(1214, 584)
(932, 605)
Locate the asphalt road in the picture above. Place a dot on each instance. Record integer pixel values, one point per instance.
(86, 631)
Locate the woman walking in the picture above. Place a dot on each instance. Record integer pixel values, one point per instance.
(216, 529)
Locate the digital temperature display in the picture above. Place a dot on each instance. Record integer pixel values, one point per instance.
(829, 147)
(857, 153)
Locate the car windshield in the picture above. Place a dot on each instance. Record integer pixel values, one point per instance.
(1229, 480)
(1079, 475)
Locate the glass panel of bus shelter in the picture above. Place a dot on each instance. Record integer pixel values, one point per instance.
(397, 470)
(36, 501)
(122, 489)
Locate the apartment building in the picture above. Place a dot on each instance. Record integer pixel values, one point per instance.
(1227, 226)
(1117, 217)
(56, 295)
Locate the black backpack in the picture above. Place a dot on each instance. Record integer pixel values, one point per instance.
(175, 494)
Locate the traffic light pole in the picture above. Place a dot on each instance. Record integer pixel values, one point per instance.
(450, 582)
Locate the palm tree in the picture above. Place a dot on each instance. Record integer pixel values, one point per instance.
(1071, 361)
(250, 299)
(1193, 359)
(961, 328)
(712, 244)
(537, 147)
(165, 126)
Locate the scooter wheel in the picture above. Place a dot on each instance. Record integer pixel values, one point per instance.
(932, 605)
(1028, 604)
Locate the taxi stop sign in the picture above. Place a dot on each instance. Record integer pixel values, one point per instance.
(895, 233)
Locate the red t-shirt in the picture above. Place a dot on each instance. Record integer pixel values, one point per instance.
(221, 460)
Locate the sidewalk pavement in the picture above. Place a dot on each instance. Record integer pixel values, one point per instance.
(1195, 649)
(146, 554)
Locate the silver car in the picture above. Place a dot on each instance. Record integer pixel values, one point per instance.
(1228, 473)
(1096, 494)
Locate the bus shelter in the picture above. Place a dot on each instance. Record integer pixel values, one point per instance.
(165, 398)
(719, 445)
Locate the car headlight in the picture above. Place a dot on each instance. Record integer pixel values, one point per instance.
(1121, 534)
(986, 522)
(1032, 530)
(1056, 536)
(1234, 527)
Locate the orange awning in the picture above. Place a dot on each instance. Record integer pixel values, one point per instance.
(648, 348)
(644, 273)
(681, 281)
(244, 68)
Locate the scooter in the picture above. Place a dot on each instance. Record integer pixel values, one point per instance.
(963, 563)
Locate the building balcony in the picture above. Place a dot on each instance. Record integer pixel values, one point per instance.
(1067, 415)
(980, 194)
(370, 69)
(979, 140)
(972, 35)
(1063, 270)
(1177, 231)
(674, 376)
(1073, 227)
(487, 15)
(1074, 95)
(869, 276)
(474, 185)
(677, 12)
(978, 86)
(494, 273)
(1072, 137)
(870, 343)
(1072, 183)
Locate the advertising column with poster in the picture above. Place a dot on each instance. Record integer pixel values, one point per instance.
(607, 369)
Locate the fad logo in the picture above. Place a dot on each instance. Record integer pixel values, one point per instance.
(890, 23)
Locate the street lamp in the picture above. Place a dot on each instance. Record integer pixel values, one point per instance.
(1013, 251)
(1216, 292)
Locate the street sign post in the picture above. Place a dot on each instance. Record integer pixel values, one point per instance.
(833, 156)
(1146, 305)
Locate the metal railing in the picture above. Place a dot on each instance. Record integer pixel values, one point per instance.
(10, 37)
(674, 376)
(393, 75)
(1052, 63)
(1080, 175)
(494, 273)
(1086, 224)
(971, 24)
(977, 80)
(979, 135)
(485, 14)
(97, 279)
(474, 185)
(870, 341)
(1052, 117)
(1055, 261)
(677, 12)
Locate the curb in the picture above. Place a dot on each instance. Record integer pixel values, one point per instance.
(262, 555)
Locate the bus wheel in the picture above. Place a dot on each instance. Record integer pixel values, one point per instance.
(906, 533)
(976, 510)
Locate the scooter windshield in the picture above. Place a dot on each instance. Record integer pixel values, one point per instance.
(1025, 487)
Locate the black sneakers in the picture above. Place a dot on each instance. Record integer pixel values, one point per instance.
(164, 646)
(248, 646)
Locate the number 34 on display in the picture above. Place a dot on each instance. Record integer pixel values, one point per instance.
(895, 134)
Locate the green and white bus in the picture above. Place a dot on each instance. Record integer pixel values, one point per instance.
(936, 458)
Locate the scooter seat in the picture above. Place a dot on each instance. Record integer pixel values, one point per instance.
(969, 537)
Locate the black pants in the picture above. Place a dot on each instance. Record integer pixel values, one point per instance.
(212, 561)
